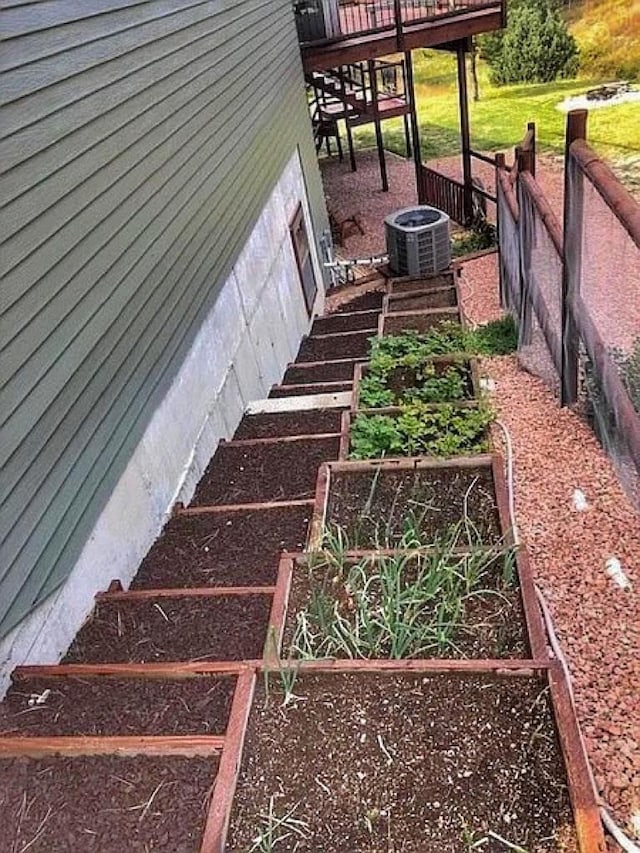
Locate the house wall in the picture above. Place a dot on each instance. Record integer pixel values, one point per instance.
(252, 331)
(142, 144)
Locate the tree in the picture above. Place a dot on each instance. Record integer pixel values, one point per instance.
(536, 46)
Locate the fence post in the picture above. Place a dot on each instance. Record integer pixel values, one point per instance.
(531, 126)
(504, 296)
(463, 100)
(572, 256)
(525, 331)
(415, 127)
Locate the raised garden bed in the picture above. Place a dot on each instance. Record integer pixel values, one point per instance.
(340, 370)
(417, 321)
(437, 603)
(419, 429)
(341, 345)
(411, 284)
(374, 502)
(121, 630)
(105, 705)
(276, 471)
(223, 548)
(345, 323)
(439, 379)
(289, 423)
(419, 300)
(480, 756)
(106, 804)
(312, 388)
(369, 301)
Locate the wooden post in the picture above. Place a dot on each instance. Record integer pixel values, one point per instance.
(376, 120)
(397, 10)
(572, 260)
(464, 134)
(504, 294)
(415, 130)
(407, 136)
(347, 124)
(525, 331)
(531, 126)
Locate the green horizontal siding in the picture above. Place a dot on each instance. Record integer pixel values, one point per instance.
(139, 143)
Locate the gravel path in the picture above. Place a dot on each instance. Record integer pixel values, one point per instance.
(597, 622)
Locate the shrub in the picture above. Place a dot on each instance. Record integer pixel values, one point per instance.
(536, 46)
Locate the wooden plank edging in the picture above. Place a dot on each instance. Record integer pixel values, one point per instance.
(247, 507)
(583, 798)
(278, 615)
(184, 592)
(42, 747)
(219, 814)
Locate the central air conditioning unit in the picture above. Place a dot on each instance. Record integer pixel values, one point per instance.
(418, 241)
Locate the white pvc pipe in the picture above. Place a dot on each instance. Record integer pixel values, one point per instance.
(609, 824)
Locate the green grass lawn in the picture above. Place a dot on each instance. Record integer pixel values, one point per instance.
(499, 118)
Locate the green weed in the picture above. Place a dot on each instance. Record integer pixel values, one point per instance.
(275, 830)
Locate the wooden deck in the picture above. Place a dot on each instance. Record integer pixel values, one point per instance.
(364, 30)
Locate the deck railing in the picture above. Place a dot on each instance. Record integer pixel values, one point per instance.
(325, 21)
(442, 192)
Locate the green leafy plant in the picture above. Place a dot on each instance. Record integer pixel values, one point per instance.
(399, 606)
(499, 337)
(411, 348)
(422, 382)
(420, 429)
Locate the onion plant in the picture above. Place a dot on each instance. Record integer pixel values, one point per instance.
(402, 605)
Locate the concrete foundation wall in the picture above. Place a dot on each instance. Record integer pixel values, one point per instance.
(242, 348)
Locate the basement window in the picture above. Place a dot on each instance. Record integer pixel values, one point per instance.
(302, 251)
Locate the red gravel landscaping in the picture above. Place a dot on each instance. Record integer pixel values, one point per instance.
(596, 621)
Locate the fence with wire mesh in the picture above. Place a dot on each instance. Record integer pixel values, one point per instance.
(575, 291)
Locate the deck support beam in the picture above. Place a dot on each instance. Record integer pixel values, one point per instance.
(373, 81)
(464, 133)
(415, 129)
(347, 124)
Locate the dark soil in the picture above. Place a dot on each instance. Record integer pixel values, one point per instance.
(377, 763)
(345, 323)
(223, 548)
(337, 371)
(395, 324)
(117, 706)
(173, 629)
(491, 625)
(440, 298)
(289, 423)
(370, 301)
(374, 507)
(317, 388)
(264, 472)
(354, 345)
(420, 284)
(104, 804)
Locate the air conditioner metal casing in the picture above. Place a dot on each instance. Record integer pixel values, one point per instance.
(418, 241)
